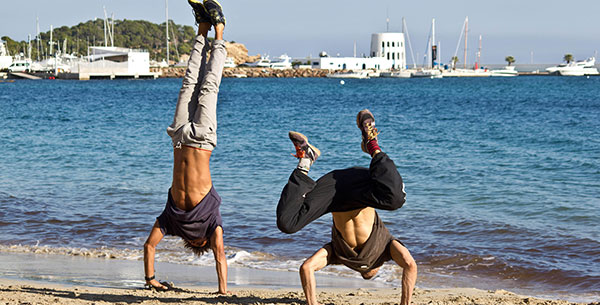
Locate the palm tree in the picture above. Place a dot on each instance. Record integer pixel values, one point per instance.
(509, 60)
(568, 58)
(454, 61)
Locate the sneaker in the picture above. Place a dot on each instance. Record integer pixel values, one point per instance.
(200, 12)
(303, 148)
(215, 12)
(366, 123)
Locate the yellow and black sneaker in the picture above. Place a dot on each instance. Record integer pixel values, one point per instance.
(215, 12)
(200, 12)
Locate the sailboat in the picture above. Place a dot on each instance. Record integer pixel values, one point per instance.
(5, 58)
(477, 71)
(431, 71)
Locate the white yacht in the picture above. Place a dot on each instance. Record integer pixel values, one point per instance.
(282, 62)
(575, 68)
(507, 71)
(263, 62)
(5, 58)
(230, 63)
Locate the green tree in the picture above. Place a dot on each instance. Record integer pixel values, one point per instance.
(135, 34)
(509, 59)
(454, 61)
(568, 58)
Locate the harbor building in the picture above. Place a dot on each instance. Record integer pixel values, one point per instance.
(115, 62)
(387, 53)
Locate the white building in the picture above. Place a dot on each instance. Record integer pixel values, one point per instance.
(387, 52)
(112, 62)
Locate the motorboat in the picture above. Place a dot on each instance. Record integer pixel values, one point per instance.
(507, 71)
(427, 73)
(282, 62)
(396, 74)
(230, 63)
(350, 74)
(575, 68)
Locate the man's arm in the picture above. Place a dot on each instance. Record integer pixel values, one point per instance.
(218, 248)
(314, 263)
(149, 250)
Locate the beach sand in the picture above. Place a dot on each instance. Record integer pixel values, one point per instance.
(21, 292)
(58, 279)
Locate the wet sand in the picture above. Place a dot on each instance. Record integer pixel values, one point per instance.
(22, 292)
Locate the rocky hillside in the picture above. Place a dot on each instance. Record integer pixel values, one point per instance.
(239, 52)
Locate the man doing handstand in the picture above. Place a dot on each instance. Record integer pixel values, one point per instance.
(359, 238)
(192, 209)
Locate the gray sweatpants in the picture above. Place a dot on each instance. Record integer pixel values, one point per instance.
(195, 120)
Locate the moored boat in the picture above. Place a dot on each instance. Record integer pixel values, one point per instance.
(575, 68)
(356, 75)
(507, 71)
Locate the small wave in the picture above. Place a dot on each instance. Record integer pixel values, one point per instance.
(171, 250)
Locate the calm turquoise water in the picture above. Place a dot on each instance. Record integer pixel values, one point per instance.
(502, 175)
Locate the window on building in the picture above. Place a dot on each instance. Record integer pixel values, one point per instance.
(388, 55)
(388, 44)
(383, 44)
(373, 54)
(364, 66)
(393, 55)
(392, 44)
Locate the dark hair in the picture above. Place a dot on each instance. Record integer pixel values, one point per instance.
(197, 250)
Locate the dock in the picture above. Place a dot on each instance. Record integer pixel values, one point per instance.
(22, 75)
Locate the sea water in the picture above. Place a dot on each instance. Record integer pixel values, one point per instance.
(502, 175)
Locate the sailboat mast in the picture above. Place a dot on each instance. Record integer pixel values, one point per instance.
(51, 41)
(105, 21)
(167, 27)
(466, 32)
(37, 26)
(112, 29)
(405, 32)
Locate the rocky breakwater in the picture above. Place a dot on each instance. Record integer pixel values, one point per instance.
(267, 72)
(179, 72)
(240, 56)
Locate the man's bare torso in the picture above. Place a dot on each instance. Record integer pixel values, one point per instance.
(191, 176)
(355, 226)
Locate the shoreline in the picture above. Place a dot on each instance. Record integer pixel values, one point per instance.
(35, 292)
(47, 277)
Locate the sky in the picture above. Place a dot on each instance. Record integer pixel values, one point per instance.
(548, 28)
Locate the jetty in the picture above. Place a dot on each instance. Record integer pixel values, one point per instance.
(22, 75)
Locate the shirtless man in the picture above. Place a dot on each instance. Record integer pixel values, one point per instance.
(359, 239)
(192, 209)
